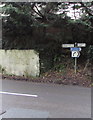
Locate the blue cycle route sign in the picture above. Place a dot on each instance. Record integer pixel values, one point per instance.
(75, 49)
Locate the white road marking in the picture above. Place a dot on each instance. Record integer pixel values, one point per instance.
(18, 94)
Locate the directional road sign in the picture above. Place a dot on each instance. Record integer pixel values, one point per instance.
(75, 49)
(81, 44)
(67, 45)
(75, 54)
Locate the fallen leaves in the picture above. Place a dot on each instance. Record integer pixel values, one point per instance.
(55, 77)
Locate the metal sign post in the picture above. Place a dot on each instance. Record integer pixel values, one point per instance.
(75, 54)
(75, 65)
(75, 61)
(75, 50)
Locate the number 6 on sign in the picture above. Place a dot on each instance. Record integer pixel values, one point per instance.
(75, 54)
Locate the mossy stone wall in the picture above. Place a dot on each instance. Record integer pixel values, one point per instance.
(20, 62)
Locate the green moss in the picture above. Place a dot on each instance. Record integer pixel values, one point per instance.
(26, 74)
(36, 52)
(2, 70)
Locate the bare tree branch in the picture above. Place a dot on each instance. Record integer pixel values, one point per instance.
(39, 11)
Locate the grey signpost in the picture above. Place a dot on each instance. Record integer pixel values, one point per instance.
(75, 50)
(75, 65)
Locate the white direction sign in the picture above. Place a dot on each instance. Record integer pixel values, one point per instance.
(75, 51)
(67, 45)
(81, 44)
(75, 54)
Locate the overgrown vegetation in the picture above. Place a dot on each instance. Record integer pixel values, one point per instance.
(45, 27)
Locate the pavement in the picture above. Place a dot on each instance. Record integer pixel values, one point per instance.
(21, 99)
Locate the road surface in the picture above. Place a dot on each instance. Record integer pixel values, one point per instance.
(34, 100)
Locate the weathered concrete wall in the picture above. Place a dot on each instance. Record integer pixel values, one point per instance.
(19, 62)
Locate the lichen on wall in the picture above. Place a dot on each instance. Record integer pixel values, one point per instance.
(20, 62)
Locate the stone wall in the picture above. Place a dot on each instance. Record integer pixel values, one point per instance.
(19, 62)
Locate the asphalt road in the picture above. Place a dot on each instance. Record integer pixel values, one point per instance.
(50, 100)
